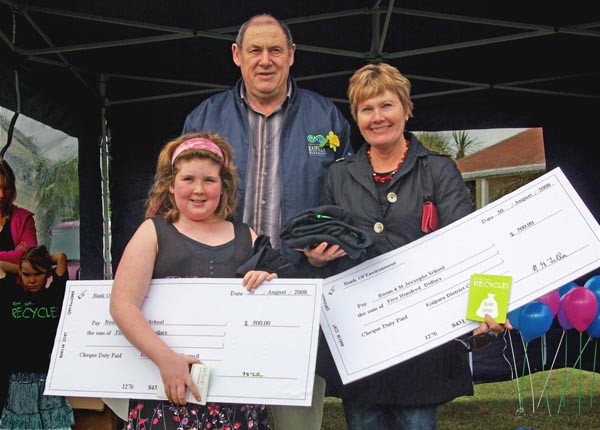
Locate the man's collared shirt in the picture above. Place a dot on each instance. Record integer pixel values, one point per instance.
(262, 203)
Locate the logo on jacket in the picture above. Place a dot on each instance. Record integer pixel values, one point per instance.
(318, 144)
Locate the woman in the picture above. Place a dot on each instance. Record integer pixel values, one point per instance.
(393, 176)
(17, 233)
(17, 227)
(188, 234)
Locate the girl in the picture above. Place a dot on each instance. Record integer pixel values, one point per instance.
(33, 311)
(188, 234)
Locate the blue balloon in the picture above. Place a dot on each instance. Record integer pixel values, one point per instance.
(535, 320)
(566, 288)
(594, 328)
(593, 284)
(513, 317)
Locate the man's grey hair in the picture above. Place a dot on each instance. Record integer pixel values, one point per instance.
(264, 19)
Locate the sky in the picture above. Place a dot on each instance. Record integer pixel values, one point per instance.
(494, 135)
(491, 136)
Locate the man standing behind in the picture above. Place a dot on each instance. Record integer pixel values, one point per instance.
(283, 137)
(283, 140)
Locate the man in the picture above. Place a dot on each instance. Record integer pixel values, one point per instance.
(284, 138)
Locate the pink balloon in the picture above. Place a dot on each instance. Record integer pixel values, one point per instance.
(552, 299)
(580, 306)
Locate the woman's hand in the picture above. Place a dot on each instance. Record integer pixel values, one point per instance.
(21, 246)
(491, 324)
(175, 373)
(322, 254)
(254, 278)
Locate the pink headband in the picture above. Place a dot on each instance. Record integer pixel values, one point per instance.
(197, 143)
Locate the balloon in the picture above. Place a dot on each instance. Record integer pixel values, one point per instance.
(566, 288)
(562, 316)
(593, 284)
(513, 317)
(594, 329)
(580, 306)
(552, 300)
(535, 320)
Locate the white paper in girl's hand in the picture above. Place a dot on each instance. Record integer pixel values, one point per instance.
(200, 374)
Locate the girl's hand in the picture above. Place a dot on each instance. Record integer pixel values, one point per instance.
(254, 278)
(323, 254)
(175, 373)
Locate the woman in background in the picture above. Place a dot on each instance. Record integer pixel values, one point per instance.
(17, 227)
(17, 233)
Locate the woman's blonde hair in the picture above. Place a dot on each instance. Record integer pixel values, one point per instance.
(373, 80)
(161, 201)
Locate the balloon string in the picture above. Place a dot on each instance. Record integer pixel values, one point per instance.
(524, 356)
(593, 373)
(504, 349)
(544, 348)
(580, 375)
(551, 367)
(564, 389)
(520, 410)
(530, 380)
(568, 376)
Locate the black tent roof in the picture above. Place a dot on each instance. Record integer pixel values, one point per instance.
(146, 64)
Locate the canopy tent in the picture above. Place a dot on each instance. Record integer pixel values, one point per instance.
(122, 75)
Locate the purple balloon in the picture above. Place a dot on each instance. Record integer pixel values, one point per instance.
(535, 320)
(551, 299)
(580, 306)
(562, 316)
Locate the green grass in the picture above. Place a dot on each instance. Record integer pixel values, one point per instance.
(494, 406)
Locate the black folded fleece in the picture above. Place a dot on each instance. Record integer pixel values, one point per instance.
(266, 258)
(328, 223)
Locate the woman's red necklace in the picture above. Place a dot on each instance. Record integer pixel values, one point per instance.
(382, 178)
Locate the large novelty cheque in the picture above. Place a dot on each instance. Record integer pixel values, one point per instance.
(412, 299)
(260, 346)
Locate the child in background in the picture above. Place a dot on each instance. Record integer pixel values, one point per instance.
(32, 320)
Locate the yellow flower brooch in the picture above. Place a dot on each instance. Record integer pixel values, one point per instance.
(332, 140)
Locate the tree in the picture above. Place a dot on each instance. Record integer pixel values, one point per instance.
(436, 142)
(57, 194)
(464, 144)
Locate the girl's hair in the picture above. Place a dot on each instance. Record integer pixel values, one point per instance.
(38, 257)
(7, 179)
(373, 80)
(161, 201)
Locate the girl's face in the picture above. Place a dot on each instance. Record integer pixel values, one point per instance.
(33, 280)
(197, 188)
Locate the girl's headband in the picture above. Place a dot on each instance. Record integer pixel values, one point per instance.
(197, 143)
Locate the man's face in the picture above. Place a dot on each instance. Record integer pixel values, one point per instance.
(264, 60)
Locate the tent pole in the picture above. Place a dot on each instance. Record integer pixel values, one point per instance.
(104, 156)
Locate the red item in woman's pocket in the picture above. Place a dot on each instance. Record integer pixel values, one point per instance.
(429, 222)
